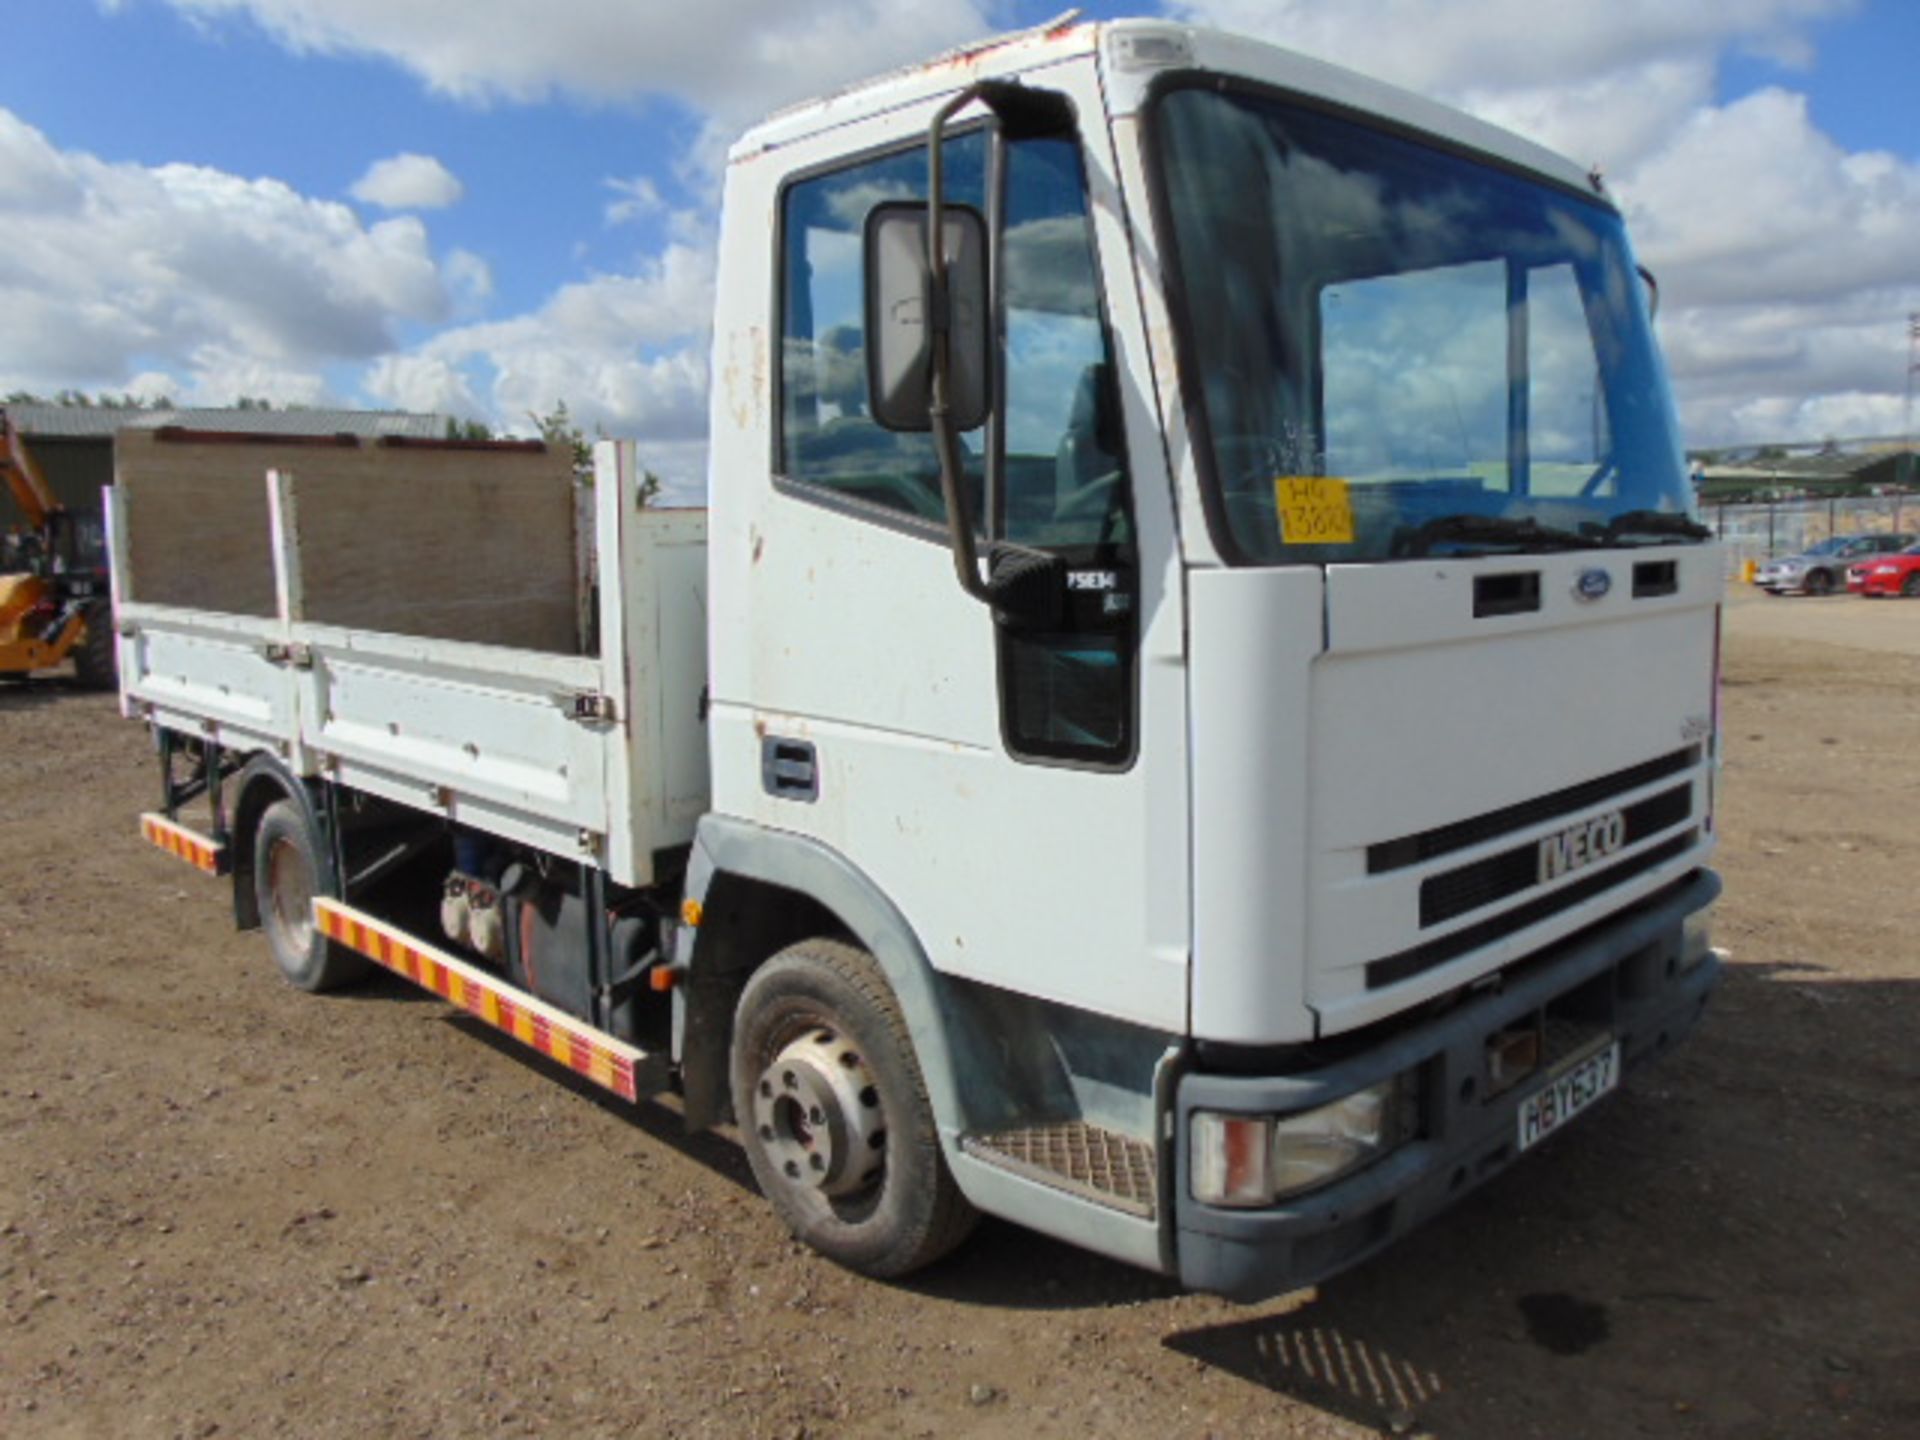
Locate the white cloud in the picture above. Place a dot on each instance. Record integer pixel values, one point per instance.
(1450, 47)
(153, 385)
(408, 182)
(1787, 264)
(736, 59)
(1751, 202)
(220, 375)
(422, 383)
(224, 284)
(627, 353)
(469, 277)
(638, 198)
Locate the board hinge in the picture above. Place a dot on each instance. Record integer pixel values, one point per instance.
(589, 706)
(297, 654)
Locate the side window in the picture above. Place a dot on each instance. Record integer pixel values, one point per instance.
(827, 436)
(1566, 408)
(1067, 693)
(1064, 482)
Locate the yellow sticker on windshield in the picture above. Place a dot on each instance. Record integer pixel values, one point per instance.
(1314, 510)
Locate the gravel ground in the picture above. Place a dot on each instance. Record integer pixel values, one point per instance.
(230, 1209)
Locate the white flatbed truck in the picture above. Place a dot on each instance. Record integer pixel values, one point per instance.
(1190, 722)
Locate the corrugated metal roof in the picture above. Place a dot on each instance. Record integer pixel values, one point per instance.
(104, 420)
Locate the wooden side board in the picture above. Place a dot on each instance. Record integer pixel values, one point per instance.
(197, 528)
(476, 546)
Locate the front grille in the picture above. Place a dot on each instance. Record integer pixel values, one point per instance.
(1444, 839)
(1457, 891)
(1392, 969)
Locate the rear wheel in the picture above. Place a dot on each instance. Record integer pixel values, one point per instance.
(1819, 582)
(834, 1115)
(93, 659)
(286, 877)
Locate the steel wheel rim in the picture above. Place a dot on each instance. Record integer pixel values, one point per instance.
(290, 888)
(818, 1115)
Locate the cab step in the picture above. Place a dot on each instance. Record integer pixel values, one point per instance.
(1099, 1165)
(200, 851)
(630, 1073)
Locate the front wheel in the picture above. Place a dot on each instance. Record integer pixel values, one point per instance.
(1910, 587)
(286, 877)
(834, 1116)
(1819, 582)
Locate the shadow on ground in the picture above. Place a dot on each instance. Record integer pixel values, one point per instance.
(37, 691)
(1683, 1268)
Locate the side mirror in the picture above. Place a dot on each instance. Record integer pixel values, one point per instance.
(900, 306)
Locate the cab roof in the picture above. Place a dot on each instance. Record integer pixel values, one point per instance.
(1137, 54)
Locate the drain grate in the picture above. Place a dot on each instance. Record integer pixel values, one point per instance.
(1101, 1165)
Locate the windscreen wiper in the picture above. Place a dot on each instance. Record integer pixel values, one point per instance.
(1521, 535)
(1653, 522)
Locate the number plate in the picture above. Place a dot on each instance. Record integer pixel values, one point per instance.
(1576, 1087)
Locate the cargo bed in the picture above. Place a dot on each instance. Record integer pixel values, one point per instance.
(597, 754)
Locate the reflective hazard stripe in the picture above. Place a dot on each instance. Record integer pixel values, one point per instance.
(579, 1047)
(183, 844)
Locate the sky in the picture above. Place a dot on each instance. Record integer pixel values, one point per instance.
(487, 207)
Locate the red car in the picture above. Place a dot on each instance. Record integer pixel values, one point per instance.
(1895, 574)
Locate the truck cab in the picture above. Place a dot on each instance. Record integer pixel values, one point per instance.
(1354, 791)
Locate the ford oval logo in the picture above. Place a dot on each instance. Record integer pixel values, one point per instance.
(1592, 585)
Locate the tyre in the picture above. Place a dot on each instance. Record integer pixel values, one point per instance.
(1819, 582)
(1910, 587)
(834, 1116)
(286, 877)
(93, 658)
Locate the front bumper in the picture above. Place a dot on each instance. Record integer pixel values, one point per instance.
(1623, 977)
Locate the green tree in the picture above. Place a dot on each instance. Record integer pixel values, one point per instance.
(80, 399)
(558, 428)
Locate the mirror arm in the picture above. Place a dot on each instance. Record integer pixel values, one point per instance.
(1653, 292)
(966, 556)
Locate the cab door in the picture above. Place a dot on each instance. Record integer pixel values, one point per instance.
(1018, 792)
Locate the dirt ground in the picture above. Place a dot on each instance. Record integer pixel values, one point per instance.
(230, 1209)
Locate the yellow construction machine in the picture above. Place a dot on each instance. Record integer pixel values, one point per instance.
(54, 602)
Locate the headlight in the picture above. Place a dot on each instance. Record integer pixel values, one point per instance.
(1248, 1160)
(1886, 569)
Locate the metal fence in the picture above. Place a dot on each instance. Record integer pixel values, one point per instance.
(1761, 530)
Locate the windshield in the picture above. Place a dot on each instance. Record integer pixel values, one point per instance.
(1458, 356)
